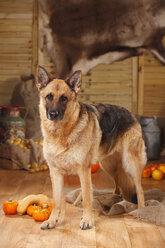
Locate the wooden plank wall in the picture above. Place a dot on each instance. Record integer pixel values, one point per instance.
(152, 87)
(15, 44)
(115, 83)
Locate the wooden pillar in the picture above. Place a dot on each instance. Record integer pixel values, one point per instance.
(141, 85)
(134, 84)
(35, 36)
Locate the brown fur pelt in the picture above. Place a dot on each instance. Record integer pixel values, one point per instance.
(81, 33)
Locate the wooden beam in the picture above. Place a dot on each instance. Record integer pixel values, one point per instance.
(140, 85)
(134, 84)
(35, 37)
(163, 40)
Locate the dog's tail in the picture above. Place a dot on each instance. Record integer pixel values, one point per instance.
(123, 181)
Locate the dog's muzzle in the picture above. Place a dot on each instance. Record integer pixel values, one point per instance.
(54, 115)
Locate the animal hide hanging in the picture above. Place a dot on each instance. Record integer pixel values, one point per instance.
(81, 33)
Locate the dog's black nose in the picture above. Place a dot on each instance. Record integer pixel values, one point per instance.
(53, 114)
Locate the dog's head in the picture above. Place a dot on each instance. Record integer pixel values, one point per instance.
(56, 95)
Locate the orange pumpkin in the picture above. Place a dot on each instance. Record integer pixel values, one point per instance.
(41, 214)
(10, 207)
(30, 210)
(48, 206)
(95, 167)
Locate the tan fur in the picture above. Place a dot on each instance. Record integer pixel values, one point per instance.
(71, 146)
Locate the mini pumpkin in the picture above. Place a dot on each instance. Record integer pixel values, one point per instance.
(30, 210)
(48, 206)
(41, 214)
(95, 167)
(10, 207)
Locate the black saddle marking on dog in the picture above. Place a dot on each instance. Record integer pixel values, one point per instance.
(114, 121)
(89, 107)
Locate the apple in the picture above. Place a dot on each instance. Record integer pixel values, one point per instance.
(146, 172)
(157, 174)
(153, 167)
(162, 167)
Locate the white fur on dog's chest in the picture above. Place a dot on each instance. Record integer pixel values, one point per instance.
(67, 160)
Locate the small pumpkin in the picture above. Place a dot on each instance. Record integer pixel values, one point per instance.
(30, 210)
(41, 214)
(48, 206)
(10, 207)
(95, 167)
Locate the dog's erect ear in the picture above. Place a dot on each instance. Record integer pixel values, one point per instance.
(74, 81)
(42, 77)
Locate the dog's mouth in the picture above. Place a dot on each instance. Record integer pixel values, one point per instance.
(54, 114)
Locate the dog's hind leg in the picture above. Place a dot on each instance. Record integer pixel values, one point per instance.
(124, 185)
(86, 187)
(135, 174)
(134, 159)
(127, 186)
(57, 180)
(110, 166)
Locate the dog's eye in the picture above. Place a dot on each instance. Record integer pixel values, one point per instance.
(49, 97)
(63, 98)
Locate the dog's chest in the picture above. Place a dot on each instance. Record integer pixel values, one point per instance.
(67, 160)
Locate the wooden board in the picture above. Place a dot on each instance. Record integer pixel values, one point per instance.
(151, 95)
(111, 84)
(15, 45)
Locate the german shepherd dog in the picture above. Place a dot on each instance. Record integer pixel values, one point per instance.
(77, 135)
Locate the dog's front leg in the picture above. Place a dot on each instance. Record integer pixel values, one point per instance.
(86, 187)
(57, 180)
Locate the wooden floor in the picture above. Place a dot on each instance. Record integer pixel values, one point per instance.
(110, 232)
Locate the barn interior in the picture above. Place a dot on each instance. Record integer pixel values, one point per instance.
(135, 82)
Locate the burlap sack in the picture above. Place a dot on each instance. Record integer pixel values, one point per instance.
(29, 93)
(23, 157)
(111, 204)
(26, 95)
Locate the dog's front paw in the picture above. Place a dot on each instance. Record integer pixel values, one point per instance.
(85, 224)
(48, 224)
